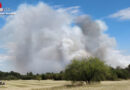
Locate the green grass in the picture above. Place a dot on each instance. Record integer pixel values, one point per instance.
(63, 85)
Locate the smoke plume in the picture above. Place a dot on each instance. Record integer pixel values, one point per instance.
(43, 39)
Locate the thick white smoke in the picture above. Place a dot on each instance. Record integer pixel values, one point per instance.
(42, 39)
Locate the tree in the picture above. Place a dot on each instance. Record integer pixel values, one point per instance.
(38, 77)
(88, 70)
(122, 73)
(112, 75)
(129, 68)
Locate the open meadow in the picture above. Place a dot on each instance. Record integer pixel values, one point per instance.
(63, 85)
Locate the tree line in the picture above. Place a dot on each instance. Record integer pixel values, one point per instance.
(94, 70)
(30, 76)
(87, 69)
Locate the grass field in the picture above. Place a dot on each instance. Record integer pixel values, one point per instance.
(63, 85)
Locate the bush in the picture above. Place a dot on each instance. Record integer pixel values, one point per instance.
(88, 70)
(112, 75)
(122, 73)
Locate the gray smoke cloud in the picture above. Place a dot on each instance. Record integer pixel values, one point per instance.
(43, 39)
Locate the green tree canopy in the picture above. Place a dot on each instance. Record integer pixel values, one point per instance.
(88, 70)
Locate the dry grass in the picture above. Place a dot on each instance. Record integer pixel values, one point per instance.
(63, 85)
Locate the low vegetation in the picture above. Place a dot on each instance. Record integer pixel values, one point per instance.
(63, 85)
(86, 70)
(78, 75)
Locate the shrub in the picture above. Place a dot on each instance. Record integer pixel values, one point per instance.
(88, 70)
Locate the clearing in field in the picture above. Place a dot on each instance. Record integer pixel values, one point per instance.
(63, 85)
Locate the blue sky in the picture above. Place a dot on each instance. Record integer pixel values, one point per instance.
(97, 9)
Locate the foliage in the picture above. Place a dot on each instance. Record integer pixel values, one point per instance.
(88, 70)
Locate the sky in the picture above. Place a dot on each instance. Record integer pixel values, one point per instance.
(115, 13)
